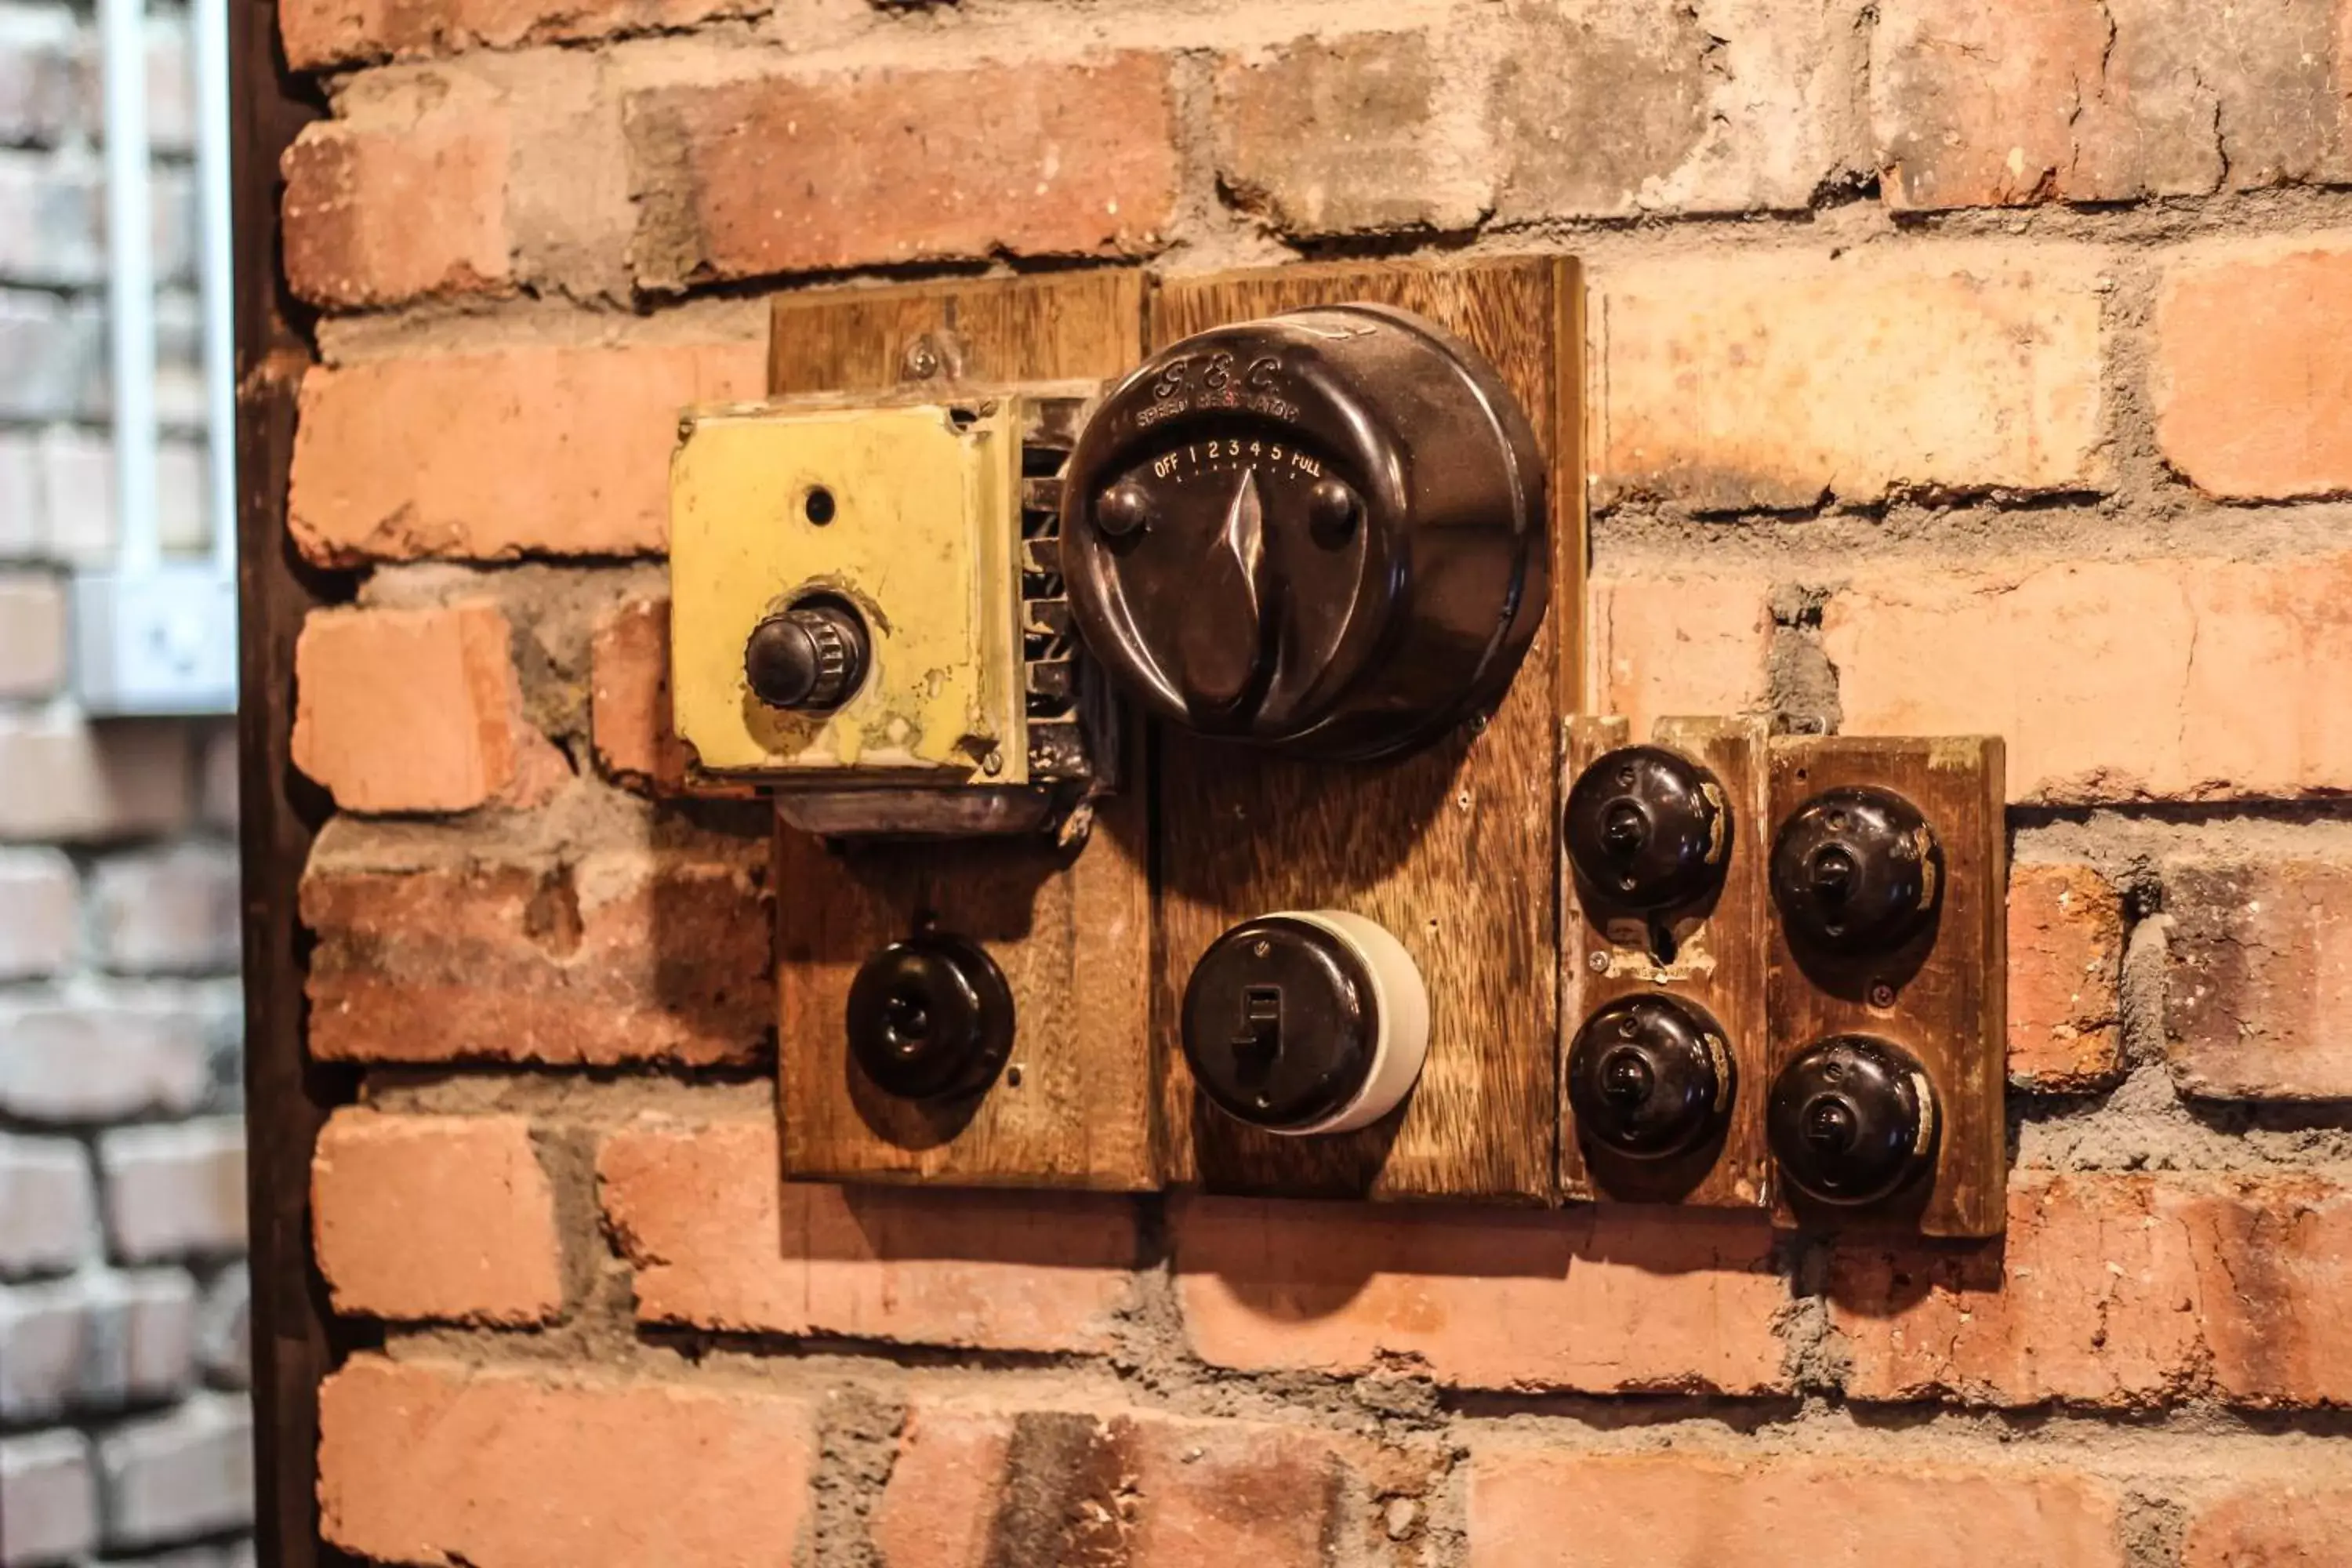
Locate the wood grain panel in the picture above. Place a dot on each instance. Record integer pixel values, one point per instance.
(1452, 849)
(1074, 1106)
(1945, 993)
(1716, 960)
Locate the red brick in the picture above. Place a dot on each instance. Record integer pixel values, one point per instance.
(417, 710)
(1613, 107)
(978, 1484)
(620, 956)
(2115, 1289)
(1603, 1300)
(376, 214)
(2112, 680)
(1341, 136)
(2261, 984)
(561, 451)
(1988, 102)
(892, 166)
(2302, 1523)
(327, 32)
(435, 1217)
(435, 1462)
(2250, 404)
(1776, 380)
(718, 1243)
(1675, 644)
(629, 702)
(2065, 969)
(65, 779)
(1536, 1508)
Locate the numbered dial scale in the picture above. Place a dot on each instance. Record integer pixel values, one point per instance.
(1325, 533)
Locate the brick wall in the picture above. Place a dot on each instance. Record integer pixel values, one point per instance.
(123, 1427)
(1956, 366)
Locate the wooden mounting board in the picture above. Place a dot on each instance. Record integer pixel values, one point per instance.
(1075, 1106)
(1452, 849)
(1949, 1006)
(1717, 963)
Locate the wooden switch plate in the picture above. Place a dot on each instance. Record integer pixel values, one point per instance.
(1075, 1104)
(1943, 996)
(1451, 849)
(1717, 962)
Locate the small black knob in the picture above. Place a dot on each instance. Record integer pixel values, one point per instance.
(1851, 1119)
(808, 659)
(1647, 828)
(930, 1018)
(1280, 1023)
(1649, 1076)
(1855, 870)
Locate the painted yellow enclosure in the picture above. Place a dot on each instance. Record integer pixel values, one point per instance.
(905, 512)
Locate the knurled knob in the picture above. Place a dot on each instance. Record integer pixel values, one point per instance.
(808, 659)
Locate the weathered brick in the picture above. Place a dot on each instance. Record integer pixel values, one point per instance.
(217, 786)
(2066, 972)
(186, 1473)
(103, 1060)
(225, 1329)
(891, 166)
(1611, 108)
(52, 220)
(1597, 1298)
(2299, 1524)
(171, 85)
(1991, 102)
(1679, 643)
(2261, 984)
(637, 738)
(327, 32)
(170, 912)
(718, 1243)
(77, 524)
(95, 1342)
(49, 1498)
(489, 456)
(621, 955)
(32, 634)
(174, 1190)
(436, 1217)
(1532, 1507)
(1327, 136)
(46, 73)
(48, 1205)
(421, 710)
(47, 350)
(376, 214)
(426, 1462)
(2250, 403)
(1777, 380)
(2115, 1289)
(40, 913)
(978, 1482)
(2111, 680)
(66, 780)
(21, 526)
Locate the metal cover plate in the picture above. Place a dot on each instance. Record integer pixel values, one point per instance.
(921, 540)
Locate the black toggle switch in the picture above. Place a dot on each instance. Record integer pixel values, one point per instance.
(1855, 871)
(1851, 1119)
(1649, 1076)
(930, 1018)
(1647, 829)
(1311, 1022)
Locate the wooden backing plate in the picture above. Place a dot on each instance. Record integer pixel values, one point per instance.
(1950, 988)
(1453, 849)
(1075, 1105)
(1716, 962)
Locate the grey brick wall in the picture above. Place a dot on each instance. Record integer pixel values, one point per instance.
(124, 1427)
